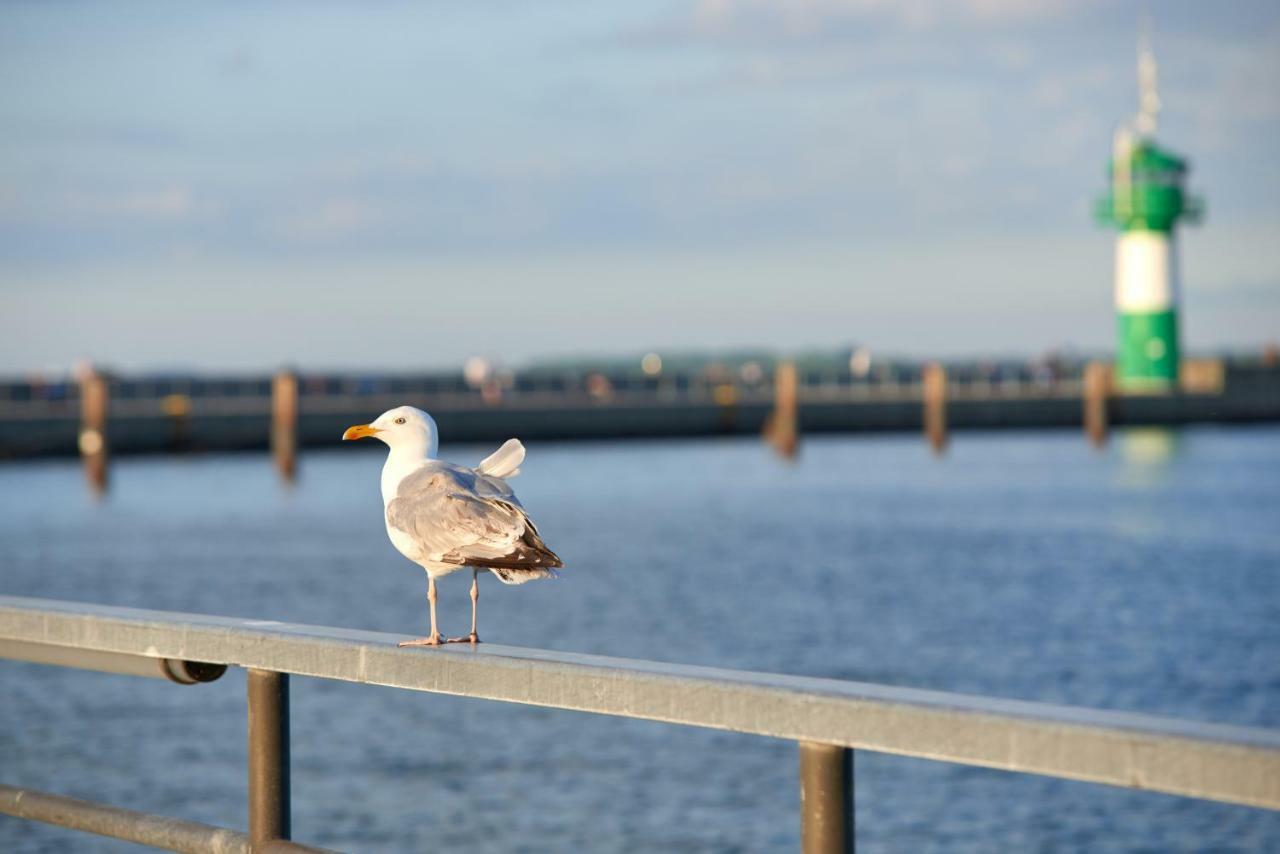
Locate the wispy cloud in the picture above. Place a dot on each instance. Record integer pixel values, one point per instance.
(806, 21)
(331, 218)
(169, 202)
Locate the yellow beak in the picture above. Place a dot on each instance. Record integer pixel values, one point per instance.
(359, 432)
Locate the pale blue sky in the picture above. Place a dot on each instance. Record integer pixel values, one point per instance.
(231, 186)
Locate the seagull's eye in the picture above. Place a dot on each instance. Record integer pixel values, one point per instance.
(399, 420)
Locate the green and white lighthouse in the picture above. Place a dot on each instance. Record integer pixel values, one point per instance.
(1146, 201)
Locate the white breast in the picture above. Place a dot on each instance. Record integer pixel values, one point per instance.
(396, 469)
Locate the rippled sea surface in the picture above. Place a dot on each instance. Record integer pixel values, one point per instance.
(1145, 577)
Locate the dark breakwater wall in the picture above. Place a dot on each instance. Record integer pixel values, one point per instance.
(219, 425)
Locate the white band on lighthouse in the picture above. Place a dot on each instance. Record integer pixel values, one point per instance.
(1146, 272)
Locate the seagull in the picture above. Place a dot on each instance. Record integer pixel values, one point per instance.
(443, 516)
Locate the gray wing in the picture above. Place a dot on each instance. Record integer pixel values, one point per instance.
(459, 516)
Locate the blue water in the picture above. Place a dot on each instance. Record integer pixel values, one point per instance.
(1145, 577)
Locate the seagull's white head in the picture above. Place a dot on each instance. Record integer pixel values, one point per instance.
(404, 430)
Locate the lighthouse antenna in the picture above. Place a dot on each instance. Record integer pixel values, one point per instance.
(1148, 98)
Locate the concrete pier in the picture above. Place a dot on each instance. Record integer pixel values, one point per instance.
(230, 422)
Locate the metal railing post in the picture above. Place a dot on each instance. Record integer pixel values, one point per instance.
(826, 799)
(268, 756)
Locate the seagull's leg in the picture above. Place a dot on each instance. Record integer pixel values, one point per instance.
(434, 639)
(475, 597)
(431, 598)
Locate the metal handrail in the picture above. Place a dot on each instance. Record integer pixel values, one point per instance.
(1211, 761)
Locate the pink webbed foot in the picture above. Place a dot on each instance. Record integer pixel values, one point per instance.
(472, 638)
(435, 639)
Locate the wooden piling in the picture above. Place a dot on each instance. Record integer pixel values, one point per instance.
(1202, 376)
(284, 424)
(934, 394)
(178, 408)
(95, 400)
(1097, 388)
(782, 427)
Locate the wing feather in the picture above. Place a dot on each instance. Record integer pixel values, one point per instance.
(504, 462)
(441, 510)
